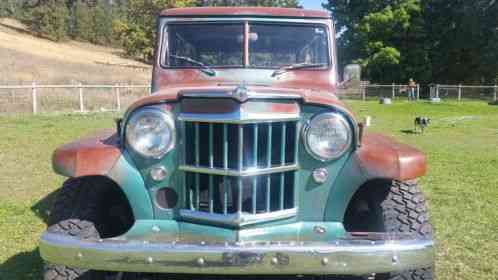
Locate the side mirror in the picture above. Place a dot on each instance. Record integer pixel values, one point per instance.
(352, 73)
(351, 84)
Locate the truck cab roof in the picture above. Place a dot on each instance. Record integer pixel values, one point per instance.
(245, 12)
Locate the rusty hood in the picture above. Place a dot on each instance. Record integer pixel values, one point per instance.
(243, 93)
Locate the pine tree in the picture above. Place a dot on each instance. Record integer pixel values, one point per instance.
(83, 22)
(51, 20)
(102, 25)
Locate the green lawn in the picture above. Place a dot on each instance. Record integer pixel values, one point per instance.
(462, 184)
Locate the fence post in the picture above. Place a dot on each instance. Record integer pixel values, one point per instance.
(118, 97)
(34, 98)
(459, 92)
(495, 96)
(394, 93)
(82, 105)
(418, 91)
(437, 91)
(363, 92)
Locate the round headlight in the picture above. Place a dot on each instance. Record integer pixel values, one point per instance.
(151, 132)
(327, 136)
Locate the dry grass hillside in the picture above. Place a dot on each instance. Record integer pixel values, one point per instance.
(25, 58)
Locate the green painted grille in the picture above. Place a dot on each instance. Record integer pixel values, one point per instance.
(246, 168)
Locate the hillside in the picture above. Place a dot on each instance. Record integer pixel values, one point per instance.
(25, 58)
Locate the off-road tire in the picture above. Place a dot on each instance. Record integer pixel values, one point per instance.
(404, 210)
(74, 213)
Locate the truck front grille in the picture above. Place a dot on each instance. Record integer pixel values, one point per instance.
(238, 174)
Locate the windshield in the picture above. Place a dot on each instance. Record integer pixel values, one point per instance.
(222, 45)
(209, 44)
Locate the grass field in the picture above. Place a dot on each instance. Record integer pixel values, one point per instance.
(462, 183)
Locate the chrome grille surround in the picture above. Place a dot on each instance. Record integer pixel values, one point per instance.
(240, 164)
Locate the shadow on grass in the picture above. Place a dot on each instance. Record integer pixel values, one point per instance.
(409, 131)
(43, 206)
(25, 265)
(29, 265)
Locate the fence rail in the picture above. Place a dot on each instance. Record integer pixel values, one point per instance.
(36, 98)
(375, 91)
(452, 92)
(461, 92)
(72, 97)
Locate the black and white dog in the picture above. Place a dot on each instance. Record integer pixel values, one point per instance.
(421, 123)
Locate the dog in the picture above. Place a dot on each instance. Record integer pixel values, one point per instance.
(421, 123)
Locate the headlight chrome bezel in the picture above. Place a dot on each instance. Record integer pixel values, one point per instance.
(319, 116)
(164, 116)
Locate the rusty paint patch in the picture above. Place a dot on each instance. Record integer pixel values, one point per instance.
(382, 157)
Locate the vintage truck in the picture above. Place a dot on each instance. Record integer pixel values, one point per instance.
(243, 162)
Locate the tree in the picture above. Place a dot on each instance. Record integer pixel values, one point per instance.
(102, 25)
(83, 23)
(463, 39)
(386, 37)
(51, 19)
(443, 41)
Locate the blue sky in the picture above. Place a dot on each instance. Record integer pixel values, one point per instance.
(312, 4)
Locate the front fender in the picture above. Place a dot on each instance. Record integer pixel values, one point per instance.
(379, 157)
(382, 157)
(91, 156)
(101, 155)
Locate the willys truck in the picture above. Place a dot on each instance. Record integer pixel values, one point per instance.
(242, 163)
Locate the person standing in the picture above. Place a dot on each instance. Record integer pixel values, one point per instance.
(412, 86)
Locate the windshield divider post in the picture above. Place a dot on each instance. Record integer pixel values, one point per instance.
(246, 44)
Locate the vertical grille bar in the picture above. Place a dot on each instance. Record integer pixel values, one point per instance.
(255, 145)
(282, 162)
(197, 163)
(255, 179)
(225, 146)
(211, 154)
(239, 199)
(268, 164)
(296, 142)
(211, 164)
(225, 195)
(241, 166)
(241, 147)
(210, 194)
(191, 198)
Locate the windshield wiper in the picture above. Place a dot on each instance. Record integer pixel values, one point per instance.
(203, 67)
(286, 68)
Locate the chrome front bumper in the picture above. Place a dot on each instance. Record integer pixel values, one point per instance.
(355, 255)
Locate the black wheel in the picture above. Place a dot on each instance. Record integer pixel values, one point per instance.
(392, 207)
(78, 211)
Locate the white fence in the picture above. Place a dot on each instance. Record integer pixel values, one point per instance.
(375, 91)
(446, 92)
(36, 98)
(463, 92)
